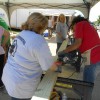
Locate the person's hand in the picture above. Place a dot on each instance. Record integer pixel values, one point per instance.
(63, 38)
(58, 63)
(59, 67)
(55, 66)
(4, 47)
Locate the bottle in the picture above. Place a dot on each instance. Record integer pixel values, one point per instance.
(64, 96)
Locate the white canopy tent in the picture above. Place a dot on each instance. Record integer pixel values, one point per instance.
(82, 5)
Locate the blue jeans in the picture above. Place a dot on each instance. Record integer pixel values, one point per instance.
(12, 98)
(90, 72)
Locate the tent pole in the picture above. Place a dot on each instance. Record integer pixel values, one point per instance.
(88, 7)
(7, 5)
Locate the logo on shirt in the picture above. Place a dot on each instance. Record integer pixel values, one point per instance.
(13, 48)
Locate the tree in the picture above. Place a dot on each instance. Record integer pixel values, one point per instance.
(97, 23)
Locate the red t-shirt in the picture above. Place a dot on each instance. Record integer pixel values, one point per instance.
(90, 38)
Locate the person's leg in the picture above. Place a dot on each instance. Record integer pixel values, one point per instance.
(89, 73)
(51, 30)
(1, 68)
(97, 70)
(12, 98)
(88, 76)
(49, 33)
(96, 88)
(58, 46)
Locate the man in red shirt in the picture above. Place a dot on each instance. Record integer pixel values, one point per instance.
(88, 42)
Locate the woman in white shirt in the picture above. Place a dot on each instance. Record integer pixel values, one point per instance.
(29, 55)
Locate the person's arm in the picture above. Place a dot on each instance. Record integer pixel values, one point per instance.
(60, 36)
(6, 38)
(55, 66)
(74, 46)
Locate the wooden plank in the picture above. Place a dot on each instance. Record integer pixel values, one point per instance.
(45, 87)
(63, 46)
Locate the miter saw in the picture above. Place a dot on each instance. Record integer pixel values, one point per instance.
(73, 57)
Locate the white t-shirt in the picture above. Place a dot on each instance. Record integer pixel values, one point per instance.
(1, 33)
(26, 62)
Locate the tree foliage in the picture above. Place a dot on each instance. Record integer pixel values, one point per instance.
(98, 21)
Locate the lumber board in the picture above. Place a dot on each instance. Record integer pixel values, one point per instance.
(45, 87)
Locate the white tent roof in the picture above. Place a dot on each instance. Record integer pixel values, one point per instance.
(82, 5)
(46, 1)
(64, 4)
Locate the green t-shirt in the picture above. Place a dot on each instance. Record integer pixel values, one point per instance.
(6, 27)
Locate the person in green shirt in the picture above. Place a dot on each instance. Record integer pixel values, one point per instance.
(4, 45)
(6, 27)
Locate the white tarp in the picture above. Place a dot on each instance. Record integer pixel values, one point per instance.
(46, 1)
(17, 20)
